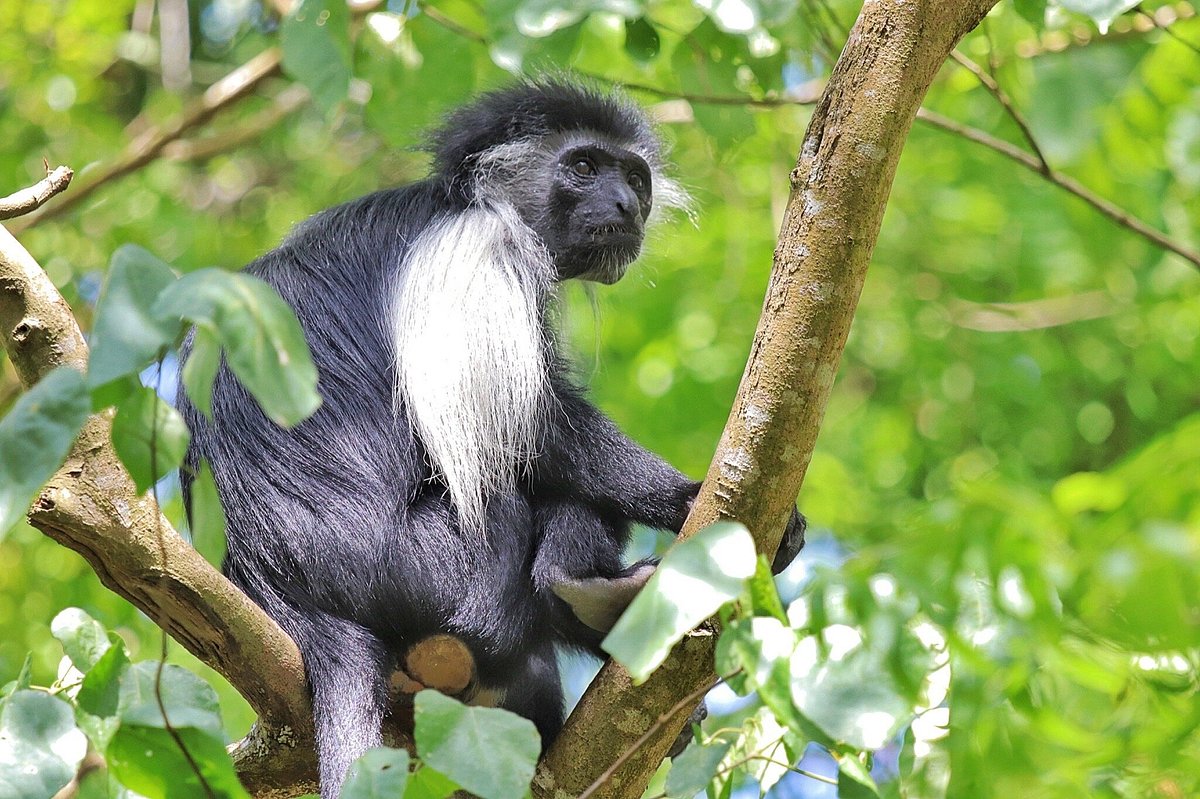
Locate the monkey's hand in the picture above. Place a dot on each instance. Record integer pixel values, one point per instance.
(599, 601)
(792, 543)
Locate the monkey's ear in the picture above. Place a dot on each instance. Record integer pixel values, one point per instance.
(599, 601)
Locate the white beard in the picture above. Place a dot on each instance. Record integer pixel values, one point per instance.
(471, 359)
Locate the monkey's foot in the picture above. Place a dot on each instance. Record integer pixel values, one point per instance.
(686, 734)
(599, 601)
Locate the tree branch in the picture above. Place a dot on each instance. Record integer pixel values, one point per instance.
(839, 189)
(26, 200)
(994, 88)
(146, 147)
(92, 507)
(1105, 207)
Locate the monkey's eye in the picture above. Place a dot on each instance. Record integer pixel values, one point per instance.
(637, 181)
(583, 167)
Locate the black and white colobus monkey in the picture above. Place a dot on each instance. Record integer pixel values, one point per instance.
(455, 480)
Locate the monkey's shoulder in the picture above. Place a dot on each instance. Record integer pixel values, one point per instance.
(356, 243)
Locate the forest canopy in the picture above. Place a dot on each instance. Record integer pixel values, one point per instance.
(1004, 497)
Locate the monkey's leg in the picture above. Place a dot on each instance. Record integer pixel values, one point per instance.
(535, 692)
(347, 671)
(577, 570)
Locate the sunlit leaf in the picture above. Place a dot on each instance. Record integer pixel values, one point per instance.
(83, 638)
(487, 751)
(40, 747)
(1102, 11)
(854, 779)
(695, 578)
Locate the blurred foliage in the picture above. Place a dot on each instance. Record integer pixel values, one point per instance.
(1028, 497)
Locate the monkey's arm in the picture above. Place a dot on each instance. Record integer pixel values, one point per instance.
(587, 456)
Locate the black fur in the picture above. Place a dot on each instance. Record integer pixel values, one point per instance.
(339, 530)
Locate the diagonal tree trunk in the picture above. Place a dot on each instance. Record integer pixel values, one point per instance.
(839, 190)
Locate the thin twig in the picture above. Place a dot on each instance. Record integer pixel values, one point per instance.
(164, 638)
(646, 736)
(451, 25)
(767, 759)
(24, 201)
(146, 147)
(990, 83)
(1108, 209)
(287, 102)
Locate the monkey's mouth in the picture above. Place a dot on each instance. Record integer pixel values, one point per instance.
(614, 230)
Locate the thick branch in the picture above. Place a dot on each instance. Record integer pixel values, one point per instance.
(838, 192)
(92, 507)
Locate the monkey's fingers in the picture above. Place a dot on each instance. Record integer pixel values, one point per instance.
(792, 543)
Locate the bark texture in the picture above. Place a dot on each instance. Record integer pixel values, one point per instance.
(839, 189)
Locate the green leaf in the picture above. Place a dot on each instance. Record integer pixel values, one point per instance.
(755, 654)
(710, 66)
(152, 762)
(764, 597)
(316, 49)
(428, 783)
(189, 700)
(845, 688)
(694, 769)
(1032, 11)
(854, 779)
(83, 639)
(641, 39)
(25, 675)
(416, 75)
(207, 520)
(127, 335)
(149, 436)
(1089, 491)
(98, 702)
(695, 578)
(264, 345)
(379, 774)
(35, 437)
(201, 368)
(487, 751)
(40, 746)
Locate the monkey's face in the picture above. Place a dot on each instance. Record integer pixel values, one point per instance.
(595, 219)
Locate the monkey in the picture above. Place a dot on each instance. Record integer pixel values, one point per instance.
(456, 479)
